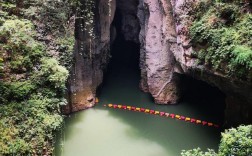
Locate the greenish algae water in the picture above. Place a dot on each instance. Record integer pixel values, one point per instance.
(102, 131)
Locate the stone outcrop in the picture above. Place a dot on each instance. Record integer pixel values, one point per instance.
(156, 59)
(238, 93)
(165, 52)
(90, 57)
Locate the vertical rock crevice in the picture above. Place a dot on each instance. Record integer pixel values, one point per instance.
(156, 59)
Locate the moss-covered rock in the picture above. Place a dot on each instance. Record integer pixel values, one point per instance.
(32, 83)
(221, 36)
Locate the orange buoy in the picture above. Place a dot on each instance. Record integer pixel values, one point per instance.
(96, 100)
(177, 116)
(187, 119)
(129, 107)
(161, 114)
(210, 124)
(198, 121)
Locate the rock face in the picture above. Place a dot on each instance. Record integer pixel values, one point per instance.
(90, 57)
(130, 24)
(238, 93)
(156, 59)
(165, 52)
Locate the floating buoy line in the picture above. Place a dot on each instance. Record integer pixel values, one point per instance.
(163, 114)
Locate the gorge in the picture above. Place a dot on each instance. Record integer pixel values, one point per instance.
(126, 77)
(166, 54)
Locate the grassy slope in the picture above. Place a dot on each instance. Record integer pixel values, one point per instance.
(32, 85)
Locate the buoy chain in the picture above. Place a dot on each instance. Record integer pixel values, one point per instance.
(163, 114)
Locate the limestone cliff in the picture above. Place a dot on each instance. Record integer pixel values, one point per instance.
(156, 59)
(91, 55)
(165, 52)
(238, 92)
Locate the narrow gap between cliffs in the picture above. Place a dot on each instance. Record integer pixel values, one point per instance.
(123, 72)
(123, 76)
(125, 54)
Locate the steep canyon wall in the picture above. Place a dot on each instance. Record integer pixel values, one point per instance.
(165, 52)
(91, 56)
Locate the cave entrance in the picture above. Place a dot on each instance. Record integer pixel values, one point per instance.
(125, 52)
(207, 99)
(121, 80)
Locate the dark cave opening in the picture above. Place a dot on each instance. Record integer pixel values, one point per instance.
(125, 59)
(204, 97)
(125, 54)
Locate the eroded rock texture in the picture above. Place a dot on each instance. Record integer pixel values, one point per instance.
(238, 93)
(130, 24)
(165, 51)
(90, 57)
(156, 59)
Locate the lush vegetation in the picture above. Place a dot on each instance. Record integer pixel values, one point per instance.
(234, 141)
(32, 78)
(222, 36)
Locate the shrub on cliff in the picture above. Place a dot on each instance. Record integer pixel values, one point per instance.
(198, 152)
(32, 86)
(221, 36)
(234, 141)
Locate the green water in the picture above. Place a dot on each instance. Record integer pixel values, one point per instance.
(102, 131)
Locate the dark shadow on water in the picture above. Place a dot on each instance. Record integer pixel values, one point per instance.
(121, 87)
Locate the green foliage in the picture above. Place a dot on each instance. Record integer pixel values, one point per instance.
(29, 130)
(55, 13)
(53, 73)
(17, 40)
(66, 50)
(222, 38)
(236, 141)
(33, 85)
(198, 152)
(19, 90)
